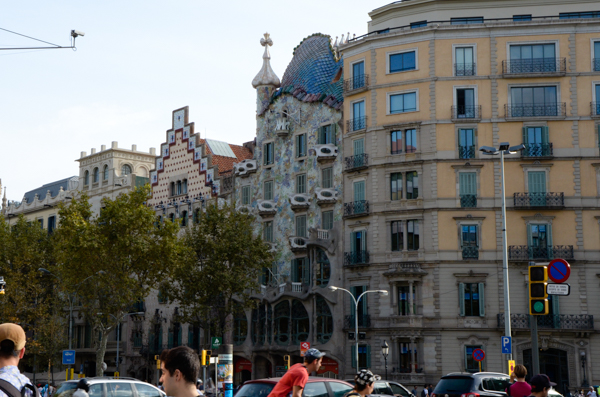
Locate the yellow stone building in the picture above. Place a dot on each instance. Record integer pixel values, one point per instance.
(429, 84)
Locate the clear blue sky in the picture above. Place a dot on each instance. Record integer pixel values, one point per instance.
(138, 61)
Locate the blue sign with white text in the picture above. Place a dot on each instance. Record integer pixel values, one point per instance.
(68, 357)
(506, 345)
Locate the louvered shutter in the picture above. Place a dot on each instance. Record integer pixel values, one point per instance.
(461, 298)
(481, 300)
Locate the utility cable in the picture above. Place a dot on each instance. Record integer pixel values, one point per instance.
(29, 37)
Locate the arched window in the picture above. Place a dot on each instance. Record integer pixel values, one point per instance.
(323, 268)
(178, 188)
(172, 217)
(105, 173)
(300, 322)
(240, 325)
(185, 186)
(86, 178)
(282, 323)
(172, 188)
(184, 219)
(125, 169)
(259, 316)
(96, 175)
(324, 320)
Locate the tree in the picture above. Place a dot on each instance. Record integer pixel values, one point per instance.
(113, 260)
(220, 270)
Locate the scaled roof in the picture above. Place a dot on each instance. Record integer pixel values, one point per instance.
(54, 187)
(225, 163)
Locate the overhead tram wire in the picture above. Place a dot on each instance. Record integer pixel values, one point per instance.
(74, 35)
(29, 37)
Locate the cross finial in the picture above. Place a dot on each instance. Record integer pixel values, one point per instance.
(267, 40)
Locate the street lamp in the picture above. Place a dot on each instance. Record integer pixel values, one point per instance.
(119, 331)
(385, 350)
(503, 149)
(584, 383)
(356, 301)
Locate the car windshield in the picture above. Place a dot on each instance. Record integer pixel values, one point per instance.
(495, 384)
(255, 389)
(66, 389)
(453, 385)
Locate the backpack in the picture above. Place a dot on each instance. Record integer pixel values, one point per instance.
(11, 391)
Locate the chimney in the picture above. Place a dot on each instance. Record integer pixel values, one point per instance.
(134, 148)
(93, 150)
(102, 148)
(153, 151)
(83, 154)
(114, 145)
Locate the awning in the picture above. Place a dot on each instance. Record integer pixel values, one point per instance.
(242, 365)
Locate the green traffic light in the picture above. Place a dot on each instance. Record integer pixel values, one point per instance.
(538, 307)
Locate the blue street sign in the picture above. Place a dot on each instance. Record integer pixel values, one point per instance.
(68, 357)
(506, 343)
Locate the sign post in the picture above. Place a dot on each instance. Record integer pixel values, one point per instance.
(559, 270)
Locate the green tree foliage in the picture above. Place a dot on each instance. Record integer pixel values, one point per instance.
(113, 260)
(220, 269)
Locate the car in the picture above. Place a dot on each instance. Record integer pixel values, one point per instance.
(112, 387)
(553, 393)
(388, 388)
(315, 387)
(478, 384)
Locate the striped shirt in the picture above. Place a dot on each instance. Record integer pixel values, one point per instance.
(12, 375)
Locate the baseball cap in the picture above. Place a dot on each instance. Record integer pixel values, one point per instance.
(312, 354)
(539, 382)
(14, 333)
(364, 377)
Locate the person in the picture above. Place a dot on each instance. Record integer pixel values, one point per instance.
(592, 392)
(364, 381)
(425, 392)
(83, 388)
(520, 388)
(295, 378)
(179, 368)
(540, 385)
(12, 350)
(430, 389)
(199, 387)
(414, 391)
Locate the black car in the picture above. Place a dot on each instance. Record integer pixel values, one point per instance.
(388, 388)
(479, 384)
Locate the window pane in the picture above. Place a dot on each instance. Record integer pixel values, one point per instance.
(410, 102)
(396, 186)
(327, 175)
(315, 389)
(143, 390)
(397, 145)
(328, 220)
(119, 390)
(411, 141)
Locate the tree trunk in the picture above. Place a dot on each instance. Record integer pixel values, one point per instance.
(100, 351)
(228, 334)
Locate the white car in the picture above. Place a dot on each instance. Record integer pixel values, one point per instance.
(112, 387)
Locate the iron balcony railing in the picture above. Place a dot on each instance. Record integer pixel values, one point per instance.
(356, 258)
(556, 321)
(470, 252)
(364, 321)
(355, 208)
(538, 150)
(466, 152)
(594, 109)
(528, 252)
(465, 69)
(527, 200)
(535, 65)
(356, 83)
(356, 161)
(531, 110)
(468, 200)
(356, 124)
(596, 64)
(466, 112)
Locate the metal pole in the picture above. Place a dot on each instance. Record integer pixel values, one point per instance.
(70, 333)
(507, 318)
(385, 357)
(356, 330)
(535, 351)
(118, 340)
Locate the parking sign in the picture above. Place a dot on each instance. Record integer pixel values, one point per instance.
(505, 342)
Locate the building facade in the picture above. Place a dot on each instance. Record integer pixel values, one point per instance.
(430, 83)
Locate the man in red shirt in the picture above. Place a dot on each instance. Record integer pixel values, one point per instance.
(295, 378)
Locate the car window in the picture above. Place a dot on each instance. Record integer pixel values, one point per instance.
(120, 389)
(454, 384)
(66, 389)
(95, 390)
(146, 390)
(339, 389)
(315, 389)
(399, 390)
(255, 389)
(495, 384)
(382, 388)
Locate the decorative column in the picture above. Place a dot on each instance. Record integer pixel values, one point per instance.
(413, 362)
(410, 297)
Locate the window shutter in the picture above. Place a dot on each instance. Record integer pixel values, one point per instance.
(266, 154)
(481, 300)
(363, 301)
(368, 356)
(305, 272)
(462, 183)
(353, 353)
(549, 229)
(461, 298)
(529, 239)
(294, 270)
(352, 306)
(596, 126)
(353, 241)
(545, 135)
(525, 136)
(363, 241)
(359, 147)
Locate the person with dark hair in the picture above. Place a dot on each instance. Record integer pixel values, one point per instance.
(179, 369)
(12, 350)
(295, 378)
(364, 381)
(540, 385)
(520, 388)
(83, 388)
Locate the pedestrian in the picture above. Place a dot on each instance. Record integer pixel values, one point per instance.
(363, 383)
(199, 387)
(520, 388)
(83, 388)
(12, 350)
(295, 378)
(540, 385)
(414, 391)
(425, 392)
(430, 389)
(179, 369)
(592, 392)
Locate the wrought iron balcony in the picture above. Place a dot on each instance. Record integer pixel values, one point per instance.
(595, 109)
(356, 258)
(465, 69)
(528, 252)
(553, 321)
(464, 113)
(356, 208)
(468, 201)
(226, 184)
(138, 307)
(548, 200)
(470, 252)
(538, 150)
(356, 162)
(466, 152)
(531, 110)
(356, 124)
(364, 321)
(534, 66)
(358, 83)
(596, 64)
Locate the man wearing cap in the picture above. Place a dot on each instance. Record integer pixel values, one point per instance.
(12, 349)
(295, 378)
(540, 385)
(364, 382)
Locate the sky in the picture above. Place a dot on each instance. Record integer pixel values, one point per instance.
(138, 61)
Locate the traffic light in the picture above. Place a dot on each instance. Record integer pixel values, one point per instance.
(538, 297)
(286, 360)
(203, 358)
(206, 357)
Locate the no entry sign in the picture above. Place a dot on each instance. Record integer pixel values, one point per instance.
(559, 270)
(478, 355)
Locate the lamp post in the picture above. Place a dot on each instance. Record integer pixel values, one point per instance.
(584, 383)
(385, 350)
(356, 301)
(503, 149)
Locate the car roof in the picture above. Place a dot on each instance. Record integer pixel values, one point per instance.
(478, 374)
(310, 380)
(101, 379)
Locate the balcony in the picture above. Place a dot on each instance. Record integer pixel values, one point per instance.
(282, 126)
(326, 152)
(530, 110)
(356, 208)
(272, 247)
(356, 84)
(528, 252)
(300, 201)
(468, 201)
(298, 243)
(357, 162)
(245, 168)
(539, 200)
(326, 196)
(466, 113)
(538, 150)
(528, 67)
(470, 252)
(595, 110)
(551, 321)
(266, 207)
(356, 258)
(596, 67)
(466, 152)
(138, 307)
(226, 184)
(465, 69)
(364, 321)
(356, 124)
